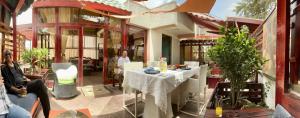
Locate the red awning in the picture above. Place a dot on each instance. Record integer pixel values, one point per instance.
(88, 5)
(104, 7)
(206, 20)
(200, 6)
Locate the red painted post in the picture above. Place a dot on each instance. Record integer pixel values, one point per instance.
(34, 27)
(124, 34)
(105, 52)
(80, 61)
(282, 48)
(58, 38)
(15, 42)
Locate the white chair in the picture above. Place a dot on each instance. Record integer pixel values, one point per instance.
(131, 67)
(65, 81)
(197, 86)
(191, 63)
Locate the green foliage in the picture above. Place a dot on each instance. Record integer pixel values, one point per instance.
(259, 9)
(237, 57)
(36, 56)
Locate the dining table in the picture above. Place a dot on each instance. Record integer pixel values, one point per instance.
(159, 89)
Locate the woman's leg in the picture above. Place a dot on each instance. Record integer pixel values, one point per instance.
(17, 112)
(38, 87)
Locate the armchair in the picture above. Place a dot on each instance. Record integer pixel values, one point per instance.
(65, 81)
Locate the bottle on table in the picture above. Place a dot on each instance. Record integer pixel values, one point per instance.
(163, 64)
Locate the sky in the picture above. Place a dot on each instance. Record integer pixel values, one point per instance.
(221, 9)
(224, 8)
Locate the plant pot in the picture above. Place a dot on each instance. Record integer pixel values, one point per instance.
(212, 81)
(252, 92)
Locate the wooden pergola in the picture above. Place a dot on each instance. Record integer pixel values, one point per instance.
(13, 10)
(98, 9)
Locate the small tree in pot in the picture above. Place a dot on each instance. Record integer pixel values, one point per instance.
(238, 58)
(35, 57)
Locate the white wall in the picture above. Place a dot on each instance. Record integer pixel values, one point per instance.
(271, 92)
(155, 20)
(157, 23)
(155, 46)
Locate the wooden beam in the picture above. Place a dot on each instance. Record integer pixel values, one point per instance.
(282, 49)
(192, 36)
(19, 6)
(105, 52)
(56, 3)
(5, 26)
(34, 28)
(5, 5)
(80, 61)
(124, 34)
(15, 42)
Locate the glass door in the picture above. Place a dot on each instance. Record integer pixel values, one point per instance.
(71, 48)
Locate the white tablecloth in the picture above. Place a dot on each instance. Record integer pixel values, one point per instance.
(159, 86)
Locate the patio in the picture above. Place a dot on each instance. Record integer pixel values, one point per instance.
(103, 106)
(138, 58)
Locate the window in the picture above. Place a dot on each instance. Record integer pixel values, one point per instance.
(68, 15)
(46, 15)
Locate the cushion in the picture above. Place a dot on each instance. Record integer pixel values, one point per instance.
(66, 76)
(24, 102)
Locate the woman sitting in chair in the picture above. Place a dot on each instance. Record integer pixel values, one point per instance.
(16, 83)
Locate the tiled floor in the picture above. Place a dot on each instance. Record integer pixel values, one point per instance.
(107, 106)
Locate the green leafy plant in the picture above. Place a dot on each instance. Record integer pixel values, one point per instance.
(236, 55)
(35, 57)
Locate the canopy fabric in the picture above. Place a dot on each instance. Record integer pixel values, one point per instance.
(13, 4)
(113, 3)
(197, 6)
(200, 6)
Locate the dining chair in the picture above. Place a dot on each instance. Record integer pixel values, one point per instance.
(197, 86)
(132, 67)
(191, 63)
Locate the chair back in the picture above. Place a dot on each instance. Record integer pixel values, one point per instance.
(202, 77)
(191, 63)
(280, 112)
(57, 66)
(132, 66)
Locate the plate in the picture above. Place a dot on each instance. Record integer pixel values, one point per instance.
(187, 68)
(152, 71)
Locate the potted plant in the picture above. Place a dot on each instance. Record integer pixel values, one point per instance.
(239, 60)
(37, 58)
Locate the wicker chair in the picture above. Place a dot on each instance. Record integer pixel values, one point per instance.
(65, 81)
